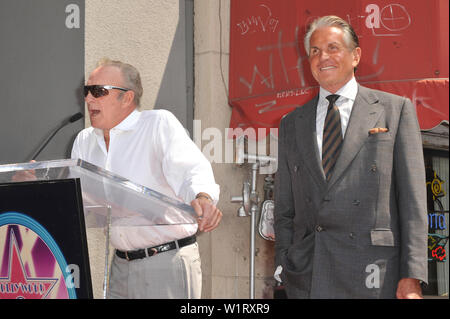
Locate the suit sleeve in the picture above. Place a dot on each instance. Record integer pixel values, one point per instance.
(411, 195)
(284, 203)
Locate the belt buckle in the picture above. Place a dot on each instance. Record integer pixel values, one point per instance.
(126, 256)
(164, 247)
(154, 250)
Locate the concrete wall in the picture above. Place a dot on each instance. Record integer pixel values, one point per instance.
(225, 252)
(41, 62)
(148, 34)
(141, 32)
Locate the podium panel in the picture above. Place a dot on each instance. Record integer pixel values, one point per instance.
(43, 251)
(53, 205)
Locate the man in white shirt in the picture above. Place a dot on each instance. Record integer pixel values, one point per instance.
(350, 196)
(150, 148)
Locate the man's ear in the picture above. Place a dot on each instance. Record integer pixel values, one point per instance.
(128, 98)
(356, 56)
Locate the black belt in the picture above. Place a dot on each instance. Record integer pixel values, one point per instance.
(152, 251)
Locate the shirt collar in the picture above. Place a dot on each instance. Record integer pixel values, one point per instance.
(127, 124)
(349, 91)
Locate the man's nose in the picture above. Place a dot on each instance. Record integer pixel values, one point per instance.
(323, 55)
(88, 97)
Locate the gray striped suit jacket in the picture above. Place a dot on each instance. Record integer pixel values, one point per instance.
(359, 234)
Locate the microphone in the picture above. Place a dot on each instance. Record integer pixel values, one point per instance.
(71, 119)
(75, 117)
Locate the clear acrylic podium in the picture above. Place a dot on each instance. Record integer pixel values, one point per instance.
(108, 200)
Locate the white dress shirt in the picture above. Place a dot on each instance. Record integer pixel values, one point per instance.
(150, 148)
(345, 104)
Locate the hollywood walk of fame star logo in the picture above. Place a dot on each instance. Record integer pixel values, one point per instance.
(18, 285)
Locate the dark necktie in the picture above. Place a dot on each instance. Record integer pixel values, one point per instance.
(332, 137)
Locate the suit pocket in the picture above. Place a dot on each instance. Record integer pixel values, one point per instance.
(379, 137)
(299, 255)
(297, 270)
(382, 237)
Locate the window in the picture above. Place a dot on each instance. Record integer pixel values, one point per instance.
(437, 172)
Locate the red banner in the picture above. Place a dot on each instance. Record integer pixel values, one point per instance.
(404, 51)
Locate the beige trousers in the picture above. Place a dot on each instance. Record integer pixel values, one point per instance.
(171, 274)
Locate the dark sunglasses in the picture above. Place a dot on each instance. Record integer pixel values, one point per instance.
(100, 90)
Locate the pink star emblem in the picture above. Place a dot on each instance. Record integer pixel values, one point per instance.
(17, 285)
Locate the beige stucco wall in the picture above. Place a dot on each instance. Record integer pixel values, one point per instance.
(227, 274)
(140, 32)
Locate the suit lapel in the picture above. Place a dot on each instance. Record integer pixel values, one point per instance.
(306, 138)
(365, 114)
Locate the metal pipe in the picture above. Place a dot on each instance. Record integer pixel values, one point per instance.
(253, 212)
(252, 251)
(250, 205)
(260, 158)
(105, 279)
(254, 175)
(236, 199)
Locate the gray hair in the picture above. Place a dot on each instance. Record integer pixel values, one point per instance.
(131, 77)
(350, 37)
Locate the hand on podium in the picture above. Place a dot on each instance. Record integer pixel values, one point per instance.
(24, 176)
(209, 215)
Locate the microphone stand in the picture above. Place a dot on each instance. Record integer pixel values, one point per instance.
(72, 119)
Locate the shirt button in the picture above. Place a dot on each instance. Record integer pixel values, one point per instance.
(319, 228)
(373, 168)
(351, 235)
(295, 168)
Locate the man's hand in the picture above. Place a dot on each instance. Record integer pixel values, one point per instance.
(209, 215)
(409, 288)
(22, 176)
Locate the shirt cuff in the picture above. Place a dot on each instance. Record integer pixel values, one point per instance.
(277, 273)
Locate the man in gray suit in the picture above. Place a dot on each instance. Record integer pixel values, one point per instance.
(350, 195)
